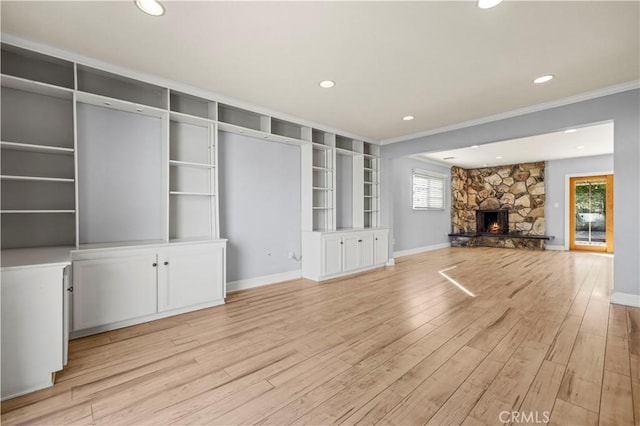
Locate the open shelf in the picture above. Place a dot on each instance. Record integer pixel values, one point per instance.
(36, 211)
(18, 146)
(199, 194)
(192, 106)
(190, 164)
(286, 129)
(36, 178)
(243, 118)
(114, 86)
(36, 87)
(37, 67)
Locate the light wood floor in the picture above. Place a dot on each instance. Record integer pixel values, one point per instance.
(401, 345)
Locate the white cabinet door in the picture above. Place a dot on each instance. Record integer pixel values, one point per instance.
(365, 244)
(109, 290)
(351, 251)
(190, 277)
(331, 255)
(32, 335)
(381, 247)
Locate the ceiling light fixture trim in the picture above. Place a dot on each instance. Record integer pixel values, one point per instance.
(327, 84)
(544, 78)
(150, 7)
(488, 4)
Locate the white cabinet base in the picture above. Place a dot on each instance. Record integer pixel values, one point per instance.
(328, 255)
(140, 320)
(120, 287)
(32, 327)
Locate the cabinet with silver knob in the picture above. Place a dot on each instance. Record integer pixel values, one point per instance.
(118, 287)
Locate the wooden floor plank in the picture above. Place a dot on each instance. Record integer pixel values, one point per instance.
(582, 380)
(567, 414)
(427, 398)
(616, 407)
(398, 345)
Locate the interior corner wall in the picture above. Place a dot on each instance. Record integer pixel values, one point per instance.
(556, 178)
(259, 188)
(415, 229)
(622, 108)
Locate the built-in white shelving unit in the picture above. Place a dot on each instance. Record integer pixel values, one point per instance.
(38, 173)
(122, 173)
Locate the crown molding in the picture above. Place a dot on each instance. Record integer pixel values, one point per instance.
(419, 157)
(611, 90)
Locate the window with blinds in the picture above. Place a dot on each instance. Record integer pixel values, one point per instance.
(428, 191)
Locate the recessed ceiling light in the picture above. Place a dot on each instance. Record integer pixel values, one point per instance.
(327, 84)
(488, 4)
(579, 146)
(151, 7)
(474, 146)
(408, 117)
(499, 157)
(543, 78)
(571, 131)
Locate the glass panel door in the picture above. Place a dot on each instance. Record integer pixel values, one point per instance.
(591, 216)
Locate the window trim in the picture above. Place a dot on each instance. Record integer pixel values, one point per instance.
(432, 175)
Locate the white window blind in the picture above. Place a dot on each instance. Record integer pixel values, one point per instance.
(428, 190)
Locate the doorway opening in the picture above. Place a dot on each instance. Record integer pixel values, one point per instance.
(591, 213)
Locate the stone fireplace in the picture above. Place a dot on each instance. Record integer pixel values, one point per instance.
(492, 221)
(499, 206)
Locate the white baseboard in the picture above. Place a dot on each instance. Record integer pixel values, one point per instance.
(626, 299)
(264, 280)
(555, 247)
(417, 250)
(391, 262)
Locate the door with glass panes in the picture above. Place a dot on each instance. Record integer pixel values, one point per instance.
(591, 213)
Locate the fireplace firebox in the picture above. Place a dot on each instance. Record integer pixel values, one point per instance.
(492, 221)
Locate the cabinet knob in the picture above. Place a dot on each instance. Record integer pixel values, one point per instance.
(154, 264)
(166, 263)
(359, 241)
(70, 289)
(341, 242)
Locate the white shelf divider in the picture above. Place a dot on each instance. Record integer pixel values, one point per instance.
(36, 211)
(19, 146)
(36, 179)
(199, 194)
(190, 164)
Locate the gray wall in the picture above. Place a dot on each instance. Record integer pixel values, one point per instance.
(344, 191)
(623, 108)
(417, 228)
(259, 185)
(556, 215)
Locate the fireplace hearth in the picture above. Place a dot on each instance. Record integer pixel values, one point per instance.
(492, 221)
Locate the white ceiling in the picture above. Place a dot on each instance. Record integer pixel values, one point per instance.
(443, 62)
(583, 142)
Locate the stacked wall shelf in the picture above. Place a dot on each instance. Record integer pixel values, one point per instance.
(371, 189)
(65, 94)
(192, 168)
(37, 170)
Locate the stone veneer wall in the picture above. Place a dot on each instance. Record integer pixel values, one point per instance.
(518, 188)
